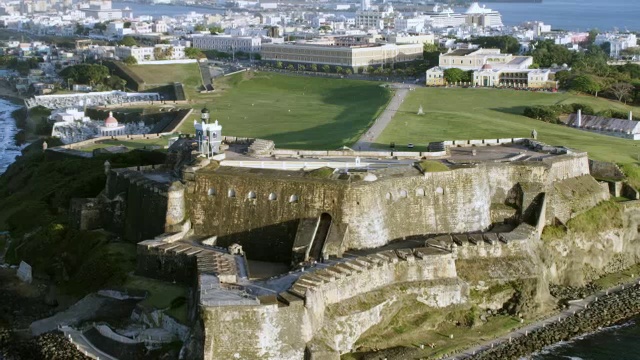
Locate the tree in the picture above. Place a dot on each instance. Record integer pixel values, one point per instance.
(127, 24)
(621, 90)
(301, 67)
(348, 72)
(339, 69)
(100, 27)
(506, 44)
(546, 53)
(91, 74)
(290, 67)
(130, 60)
(370, 69)
(199, 28)
(128, 41)
(563, 77)
(158, 53)
(325, 28)
(215, 30)
(279, 65)
(454, 75)
(326, 68)
(586, 84)
(194, 53)
(314, 67)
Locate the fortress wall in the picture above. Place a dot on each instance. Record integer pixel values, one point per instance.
(146, 212)
(450, 201)
(454, 201)
(567, 166)
(255, 332)
(266, 228)
(573, 196)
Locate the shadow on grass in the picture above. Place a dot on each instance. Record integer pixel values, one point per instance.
(361, 105)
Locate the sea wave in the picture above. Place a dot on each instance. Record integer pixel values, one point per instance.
(8, 149)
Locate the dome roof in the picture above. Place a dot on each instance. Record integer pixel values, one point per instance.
(111, 121)
(487, 67)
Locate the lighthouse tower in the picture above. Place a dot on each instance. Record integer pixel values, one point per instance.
(208, 136)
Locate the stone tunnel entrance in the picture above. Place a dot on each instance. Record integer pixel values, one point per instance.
(324, 224)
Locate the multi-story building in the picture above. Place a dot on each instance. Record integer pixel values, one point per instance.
(353, 57)
(411, 39)
(618, 42)
(473, 59)
(148, 53)
(370, 19)
(102, 11)
(144, 53)
(415, 24)
(487, 76)
(227, 43)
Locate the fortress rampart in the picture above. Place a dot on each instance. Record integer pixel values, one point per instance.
(260, 209)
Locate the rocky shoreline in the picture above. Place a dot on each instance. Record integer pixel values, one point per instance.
(608, 310)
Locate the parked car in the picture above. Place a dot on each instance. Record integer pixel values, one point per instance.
(410, 145)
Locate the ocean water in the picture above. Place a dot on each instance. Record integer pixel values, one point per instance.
(572, 15)
(8, 129)
(614, 343)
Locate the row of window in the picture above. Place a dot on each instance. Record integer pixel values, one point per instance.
(252, 195)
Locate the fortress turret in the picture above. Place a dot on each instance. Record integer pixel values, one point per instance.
(209, 136)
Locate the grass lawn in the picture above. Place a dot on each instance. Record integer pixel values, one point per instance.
(294, 111)
(132, 144)
(188, 74)
(459, 114)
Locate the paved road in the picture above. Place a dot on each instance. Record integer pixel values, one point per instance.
(83, 345)
(365, 141)
(576, 307)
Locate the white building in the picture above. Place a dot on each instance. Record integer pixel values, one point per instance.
(148, 53)
(483, 17)
(227, 43)
(112, 127)
(414, 24)
(370, 20)
(618, 42)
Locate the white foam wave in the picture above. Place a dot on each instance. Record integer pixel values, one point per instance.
(8, 149)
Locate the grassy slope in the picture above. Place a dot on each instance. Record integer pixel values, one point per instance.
(294, 111)
(452, 114)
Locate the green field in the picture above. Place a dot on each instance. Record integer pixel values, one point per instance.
(188, 74)
(298, 112)
(460, 114)
(294, 111)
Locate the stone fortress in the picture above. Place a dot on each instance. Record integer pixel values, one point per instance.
(346, 233)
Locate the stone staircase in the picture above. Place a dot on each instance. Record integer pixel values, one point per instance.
(261, 147)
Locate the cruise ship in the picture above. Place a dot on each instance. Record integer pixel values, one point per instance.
(444, 16)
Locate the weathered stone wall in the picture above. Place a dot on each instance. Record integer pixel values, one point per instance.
(256, 207)
(572, 196)
(260, 215)
(255, 332)
(579, 257)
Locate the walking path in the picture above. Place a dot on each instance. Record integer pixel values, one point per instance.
(84, 345)
(368, 138)
(576, 306)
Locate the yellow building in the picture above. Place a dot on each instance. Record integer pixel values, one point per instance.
(353, 57)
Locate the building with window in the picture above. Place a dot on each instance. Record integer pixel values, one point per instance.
(474, 59)
(352, 57)
(228, 43)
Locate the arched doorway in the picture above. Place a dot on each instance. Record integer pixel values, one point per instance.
(324, 225)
